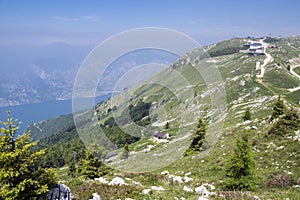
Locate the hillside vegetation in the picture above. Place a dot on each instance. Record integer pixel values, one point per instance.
(178, 96)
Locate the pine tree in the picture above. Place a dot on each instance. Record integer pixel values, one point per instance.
(125, 151)
(247, 115)
(92, 167)
(72, 169)
(20, 176)
(195, 94)
(286, 124)
(278, 109)
(240, 167)
(167, 125)
(199, 136)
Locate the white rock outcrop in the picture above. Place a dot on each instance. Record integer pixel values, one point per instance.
(96, 197)
(146, 191)
(117, 181)
(101, 180)
(187, 179)
(157, 188)
(204, 192)
(165, 173)
(175, 179)
(187, 189)
(61, 192)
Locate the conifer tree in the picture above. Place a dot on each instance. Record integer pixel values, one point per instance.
(240, 166)
(199, 136)
(20, 176)
(90, 166)
(286, 124)
(167, 125)
(247, 115)
(72, 169)
(278, 108)
(125, 151)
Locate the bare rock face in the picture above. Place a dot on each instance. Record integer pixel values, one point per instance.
(60, 192)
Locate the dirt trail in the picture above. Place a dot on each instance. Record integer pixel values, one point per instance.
(296, 75)
(293, 72)
(267, 60)
(294, 89)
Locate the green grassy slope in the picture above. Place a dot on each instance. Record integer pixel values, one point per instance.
(179, 95)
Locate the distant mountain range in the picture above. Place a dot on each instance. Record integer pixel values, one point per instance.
(38, 73)
(33, 74)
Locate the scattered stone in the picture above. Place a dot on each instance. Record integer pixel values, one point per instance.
(242, 83)
(205, 194)
(156, 188)
(203, 198)
(189, 173)
(165, 173)
(256, 89)
(297, 136)
(187, 179)
(201, 190)
(101, 180)
(60, 192)
(96, 197)
(117, 181)
(256, 197)
(209, 185)
(187, 189)
(181, 198)
(146, 191)
(148, 149)
(177, 179)
(135, 183)
(279, 148)
(271, 144)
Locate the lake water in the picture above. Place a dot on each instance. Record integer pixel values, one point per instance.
(31, 113)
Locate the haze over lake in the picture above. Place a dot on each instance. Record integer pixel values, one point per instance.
(31, 113)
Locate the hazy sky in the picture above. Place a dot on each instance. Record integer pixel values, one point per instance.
(91, 21)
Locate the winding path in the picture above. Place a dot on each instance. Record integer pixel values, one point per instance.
(296, 75)
(293, 72)
(267, 60)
